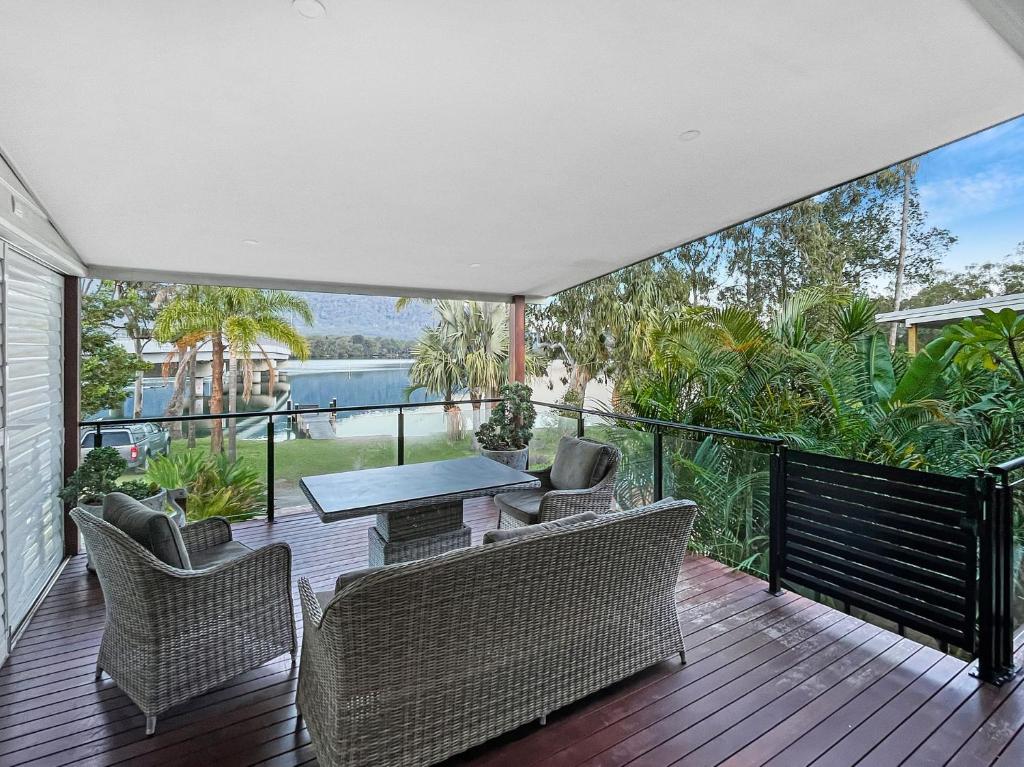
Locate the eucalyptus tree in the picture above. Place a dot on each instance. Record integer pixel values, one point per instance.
(235, 321)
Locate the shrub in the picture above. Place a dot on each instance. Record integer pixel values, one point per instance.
(98, 476)
(216, 485)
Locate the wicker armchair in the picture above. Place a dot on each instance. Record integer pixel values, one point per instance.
(411, 663)
(172, 634)
(581, 479)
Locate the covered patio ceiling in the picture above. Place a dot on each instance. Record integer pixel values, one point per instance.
(468, 148)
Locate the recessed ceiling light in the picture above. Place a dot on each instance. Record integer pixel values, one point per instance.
(689, 135)
(474, 266)
(250, 242)
(310, 9)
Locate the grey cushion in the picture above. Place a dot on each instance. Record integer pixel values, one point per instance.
(524, 505)
(219, 554)
(324, 598)
(579, 464)
(152, 529)
(496, 536)
(347, 579)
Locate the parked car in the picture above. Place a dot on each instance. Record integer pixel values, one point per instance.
(136, 442)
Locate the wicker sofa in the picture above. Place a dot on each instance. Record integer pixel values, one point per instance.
(175, 629)
(581, 478)
(411, 663)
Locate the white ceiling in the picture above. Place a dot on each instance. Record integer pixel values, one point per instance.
(390, 145)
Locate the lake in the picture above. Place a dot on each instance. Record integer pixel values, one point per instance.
(315, 382)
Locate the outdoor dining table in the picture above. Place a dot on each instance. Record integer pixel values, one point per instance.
(418, 506)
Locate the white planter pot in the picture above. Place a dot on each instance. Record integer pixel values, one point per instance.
(517, 459)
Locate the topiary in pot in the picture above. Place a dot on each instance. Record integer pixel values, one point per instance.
(94, 478)
(506, 436)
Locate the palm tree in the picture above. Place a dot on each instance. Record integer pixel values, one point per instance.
(467, 349)
(234, 320)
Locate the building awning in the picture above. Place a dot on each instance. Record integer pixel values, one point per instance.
(946, 314)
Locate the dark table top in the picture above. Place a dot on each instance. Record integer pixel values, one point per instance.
(372, 491)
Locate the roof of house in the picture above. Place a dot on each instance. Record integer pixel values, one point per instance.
(944, 314)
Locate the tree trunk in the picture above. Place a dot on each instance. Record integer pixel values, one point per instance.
(177, 401)
(137, 405)
(901, 261)
(192, 364)
(217, 396)
(578, 384)
(232, 403)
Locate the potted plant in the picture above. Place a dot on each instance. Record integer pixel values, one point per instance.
(505, 437)
(98, 474)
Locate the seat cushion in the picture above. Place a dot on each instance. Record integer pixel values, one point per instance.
(579, 464)
(152, 529)
(497, 536)
(324, 598)
(218, 555)
(524, 505)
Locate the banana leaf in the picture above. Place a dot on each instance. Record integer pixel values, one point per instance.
(874, 351)
(922, 376)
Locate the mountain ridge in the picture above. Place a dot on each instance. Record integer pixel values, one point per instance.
(349, 314)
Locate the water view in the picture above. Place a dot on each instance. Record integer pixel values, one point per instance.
(314, 382)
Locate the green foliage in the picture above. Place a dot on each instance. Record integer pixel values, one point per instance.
(235, 321)
(139, 489)
(107, 369)
(216, 485)
(98, 474)
(511, 422)
(358, 347)
(831, 385)
(95, 477)
(996, 336)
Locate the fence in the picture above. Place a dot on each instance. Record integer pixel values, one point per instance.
(929, 551)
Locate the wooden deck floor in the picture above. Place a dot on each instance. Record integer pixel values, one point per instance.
(770, 680)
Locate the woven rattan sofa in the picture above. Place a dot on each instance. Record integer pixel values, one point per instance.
(581, 479)
(175, 631)
(411, 663)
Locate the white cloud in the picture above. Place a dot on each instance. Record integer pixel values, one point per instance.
(949, 199)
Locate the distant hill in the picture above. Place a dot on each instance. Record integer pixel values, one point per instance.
(349, 315)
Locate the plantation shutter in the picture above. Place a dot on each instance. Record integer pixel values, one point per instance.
(4, 641)
(33, 431)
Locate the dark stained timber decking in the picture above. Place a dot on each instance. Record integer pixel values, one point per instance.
(770, 680)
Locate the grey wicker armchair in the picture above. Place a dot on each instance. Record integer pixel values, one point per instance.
(581, 479)
(173, 633)
(408, 664)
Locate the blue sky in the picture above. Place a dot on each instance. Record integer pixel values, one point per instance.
(975, 188)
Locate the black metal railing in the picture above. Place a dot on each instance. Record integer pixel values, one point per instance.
(656, 427)
(931, 552)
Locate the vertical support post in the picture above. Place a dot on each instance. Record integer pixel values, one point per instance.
(986, 571)
(776, 513)
(71, 393)
(270, 468)
(1005, 574)
(401, 436)
(97, 441)
(912, 339)
(995, 585)
(517, 340)
(579, 426)
(659, 459)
